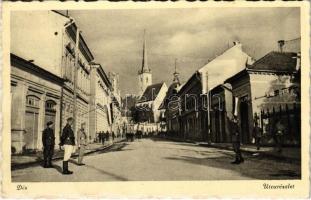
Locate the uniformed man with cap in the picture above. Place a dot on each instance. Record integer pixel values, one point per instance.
(48, 141)
(68, 142)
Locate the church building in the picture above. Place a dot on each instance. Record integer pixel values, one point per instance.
(151, 95)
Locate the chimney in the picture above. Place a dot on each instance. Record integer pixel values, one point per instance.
(281, 44)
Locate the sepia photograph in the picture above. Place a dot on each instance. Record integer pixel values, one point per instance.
(157, 94)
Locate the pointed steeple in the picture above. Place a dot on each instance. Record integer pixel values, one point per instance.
(144, 66)
(176, 74)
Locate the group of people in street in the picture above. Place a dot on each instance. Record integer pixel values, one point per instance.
(67, 142)
(103, 136)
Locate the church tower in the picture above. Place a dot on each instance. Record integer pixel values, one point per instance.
(176, 75)
(144, 75)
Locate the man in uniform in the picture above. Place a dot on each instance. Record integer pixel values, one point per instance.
(68, 142)
(48, 140)
(236, 141)
(82, 144)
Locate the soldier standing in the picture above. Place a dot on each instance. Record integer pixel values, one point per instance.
(48, 140)
(236, 141)
(82, 144)
(257, 135)
(68, 142)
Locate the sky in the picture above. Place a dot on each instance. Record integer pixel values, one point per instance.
(191, 35)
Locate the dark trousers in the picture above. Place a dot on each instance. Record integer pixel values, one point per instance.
(257, 141)
(48, 152)
(237, 150)
(279, 142)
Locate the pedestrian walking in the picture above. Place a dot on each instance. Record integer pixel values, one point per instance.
(279, 134)
(236, 141)
(48, 141)
(82, 144)
(68, 142)
(257, 134)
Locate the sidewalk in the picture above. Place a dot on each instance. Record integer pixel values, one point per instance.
(22, 161)
(290, 154)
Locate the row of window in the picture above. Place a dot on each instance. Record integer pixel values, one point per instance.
(83, 79)
(34, 101)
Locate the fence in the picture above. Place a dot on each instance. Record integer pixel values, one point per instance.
(290, 118)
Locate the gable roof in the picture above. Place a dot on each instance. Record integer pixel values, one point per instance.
(276, 61)
(230, 62)
(151, 92)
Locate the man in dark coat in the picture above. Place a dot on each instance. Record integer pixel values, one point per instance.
(235, 131)
(68, 142)
(48, 141)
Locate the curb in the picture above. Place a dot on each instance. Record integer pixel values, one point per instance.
(75, 155)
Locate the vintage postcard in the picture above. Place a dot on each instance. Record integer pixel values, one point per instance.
(177, 100)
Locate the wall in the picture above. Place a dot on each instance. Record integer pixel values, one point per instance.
(22, 84)
(46, 27)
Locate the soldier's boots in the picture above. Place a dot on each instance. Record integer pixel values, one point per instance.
(65, 168)
(45, 163)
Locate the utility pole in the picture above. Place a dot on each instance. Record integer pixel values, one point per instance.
(208, 112)
(76, 67)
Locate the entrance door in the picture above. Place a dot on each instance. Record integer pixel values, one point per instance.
(31, 126)
(244, 122)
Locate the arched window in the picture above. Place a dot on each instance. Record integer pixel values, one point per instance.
(32, 101)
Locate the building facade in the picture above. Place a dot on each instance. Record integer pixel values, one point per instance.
(268, 91)
(42, 74)
(100, 114)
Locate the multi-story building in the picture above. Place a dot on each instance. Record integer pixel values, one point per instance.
(42, 72)
(100, 114)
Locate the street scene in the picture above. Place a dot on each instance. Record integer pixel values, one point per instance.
(128, 95)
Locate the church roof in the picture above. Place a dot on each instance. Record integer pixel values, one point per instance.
(151, 92)
(276, 61)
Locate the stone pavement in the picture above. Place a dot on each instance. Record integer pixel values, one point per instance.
(290, 154)
(24, 160)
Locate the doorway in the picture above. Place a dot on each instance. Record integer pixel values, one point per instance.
(244, 122)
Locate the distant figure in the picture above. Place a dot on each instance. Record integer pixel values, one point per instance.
(236, 141)
(68, 141)
(107, 136)
(102, 135)
(257, 134)
(48, 140)
(279, 135)
(113, 135)
(83, 143)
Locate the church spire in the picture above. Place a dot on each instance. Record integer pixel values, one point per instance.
(176, 74)
(144, 67)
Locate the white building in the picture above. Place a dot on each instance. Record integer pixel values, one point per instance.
(42, 76)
